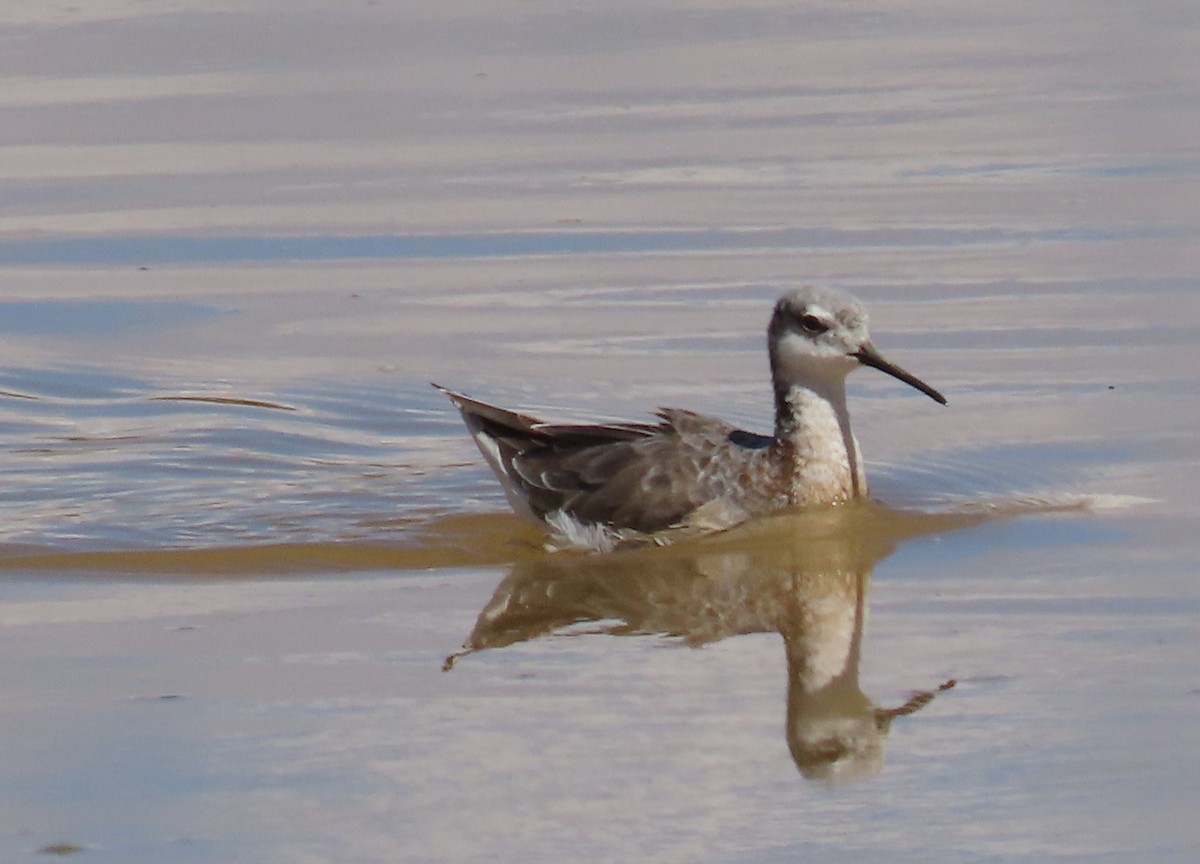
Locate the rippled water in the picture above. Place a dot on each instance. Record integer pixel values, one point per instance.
(240, 534)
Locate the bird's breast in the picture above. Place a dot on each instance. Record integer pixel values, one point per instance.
(819, 453)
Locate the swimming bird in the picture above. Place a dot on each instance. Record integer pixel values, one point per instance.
(609, 485)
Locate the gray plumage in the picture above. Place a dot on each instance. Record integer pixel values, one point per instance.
(606, 485)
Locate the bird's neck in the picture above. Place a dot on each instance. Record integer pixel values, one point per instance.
(812, 433)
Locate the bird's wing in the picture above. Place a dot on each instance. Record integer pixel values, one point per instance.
(646, 483)
(507, 439)
(645, 477)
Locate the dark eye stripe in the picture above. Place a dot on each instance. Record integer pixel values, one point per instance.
(813, 324)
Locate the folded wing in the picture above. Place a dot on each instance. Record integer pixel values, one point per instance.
(644, 477)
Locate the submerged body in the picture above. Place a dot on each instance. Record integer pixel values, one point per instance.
(608, 485)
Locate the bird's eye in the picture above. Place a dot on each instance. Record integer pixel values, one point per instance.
(813, 325)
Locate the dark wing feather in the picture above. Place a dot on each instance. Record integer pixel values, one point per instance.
(641, 476)
(525, 451)
(511, 424)
(647, 483)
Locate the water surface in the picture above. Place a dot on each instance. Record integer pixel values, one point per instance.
(241, 535)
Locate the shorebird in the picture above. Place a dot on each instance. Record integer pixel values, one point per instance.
(604, 486)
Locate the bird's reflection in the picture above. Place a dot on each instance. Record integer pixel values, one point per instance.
(802, 575)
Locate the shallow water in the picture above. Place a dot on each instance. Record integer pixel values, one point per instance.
(240, 533)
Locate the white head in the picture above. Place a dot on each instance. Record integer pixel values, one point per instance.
(818, 336)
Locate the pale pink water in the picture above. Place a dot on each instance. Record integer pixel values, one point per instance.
(240, 533)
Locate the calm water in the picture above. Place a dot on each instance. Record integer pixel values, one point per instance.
(241, 535)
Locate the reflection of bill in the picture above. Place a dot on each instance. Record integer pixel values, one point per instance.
(802, 575)
(834, 731)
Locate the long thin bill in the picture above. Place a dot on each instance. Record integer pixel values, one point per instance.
(868, 356)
